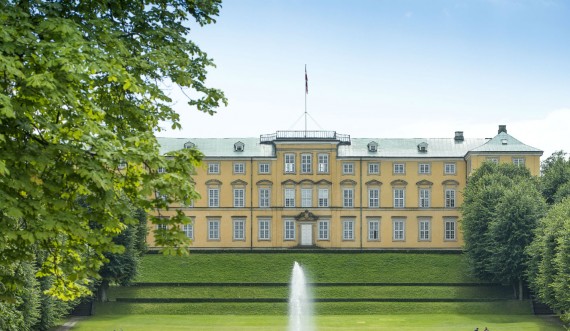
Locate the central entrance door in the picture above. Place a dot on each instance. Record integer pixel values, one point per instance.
(306, 234)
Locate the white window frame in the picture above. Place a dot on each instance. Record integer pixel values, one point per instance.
(239, 197)
(289, 196)
(214, 168)
(323, 163)
(450, 169)
(306, 163)
(424, 168)
(289, 229)
(214, 197)
(450, 229)
(323, 194)
(306, 197)
(450, 198)
(213, 229)
(263, 168)
(162, 226)
(238, 229)
(348, 230)
(373, 168)
(373, 198)
(399, 168)
(324, 229)
(399, 195)
(347, 197)
(374, 229)
(264, 197)
(348, 168)
(424, 198)
(161, 170)
(188, 230)
(424, 229)
(398, 229)
(519, 161)
(289, 163)
(239, 168)
(264, 229)
(494, 160)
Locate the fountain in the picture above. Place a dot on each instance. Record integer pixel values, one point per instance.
(300, 305)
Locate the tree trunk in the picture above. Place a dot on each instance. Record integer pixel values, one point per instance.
(102, 291)
(520, 289)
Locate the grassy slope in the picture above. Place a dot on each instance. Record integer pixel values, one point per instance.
(319, 268)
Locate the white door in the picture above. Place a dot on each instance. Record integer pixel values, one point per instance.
(306, 234)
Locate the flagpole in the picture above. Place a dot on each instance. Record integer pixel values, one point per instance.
(306, 92)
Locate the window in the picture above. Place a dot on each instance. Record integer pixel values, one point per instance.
(213, 197)
(239, 197)
(188, 230)
(239, 146)
(399, 168)
(348, 230)
(289, 230)
(264, 168)
(424, 198)
(424, 229)
(398, 226)
(323, 197)
(348, 197)
(161, 196)
(424, 168)
(450, 225)
(306, 197)
(306, 163)
(213, 230)
(162, 227)
(122, 165)
(399, 198)
(264, 233)
(323, 163)
(161, 170)
(449, 169)
(374, 198)
(213, 168)
(289, 197)
(264, 197)
(374, 229)
(450, 198)
(373, 168)
(348, 168)
(323, 230)
(493, 160)
(239, 168)
(290, 163)
(239, 229)
(518, 161)
(372, 146)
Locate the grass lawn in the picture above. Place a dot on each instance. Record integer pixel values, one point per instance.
(423, 322)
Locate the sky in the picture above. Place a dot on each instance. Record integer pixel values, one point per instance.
(388, 69)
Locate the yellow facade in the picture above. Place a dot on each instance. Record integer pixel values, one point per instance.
(320, 189)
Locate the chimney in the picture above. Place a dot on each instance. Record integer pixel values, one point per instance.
(502, 128)
(458, 136)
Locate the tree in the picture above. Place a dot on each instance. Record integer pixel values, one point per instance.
(555, 179)
(549, 266)
(80, 100)
(501, 207)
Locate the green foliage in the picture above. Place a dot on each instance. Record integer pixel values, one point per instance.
(501, 207)
(549, 267)
(80, 96)
(555, 179)
(20, 310)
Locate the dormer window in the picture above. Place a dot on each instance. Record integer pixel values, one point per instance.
(422, 147)
(239, 146)
(373, 146)
(504, 141)
(189, 145)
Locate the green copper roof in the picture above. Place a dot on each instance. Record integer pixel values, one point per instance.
(358, 147)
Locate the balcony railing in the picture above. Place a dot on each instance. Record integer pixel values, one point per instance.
(305, 135)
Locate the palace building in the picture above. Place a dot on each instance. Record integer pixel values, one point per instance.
(322, 189)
